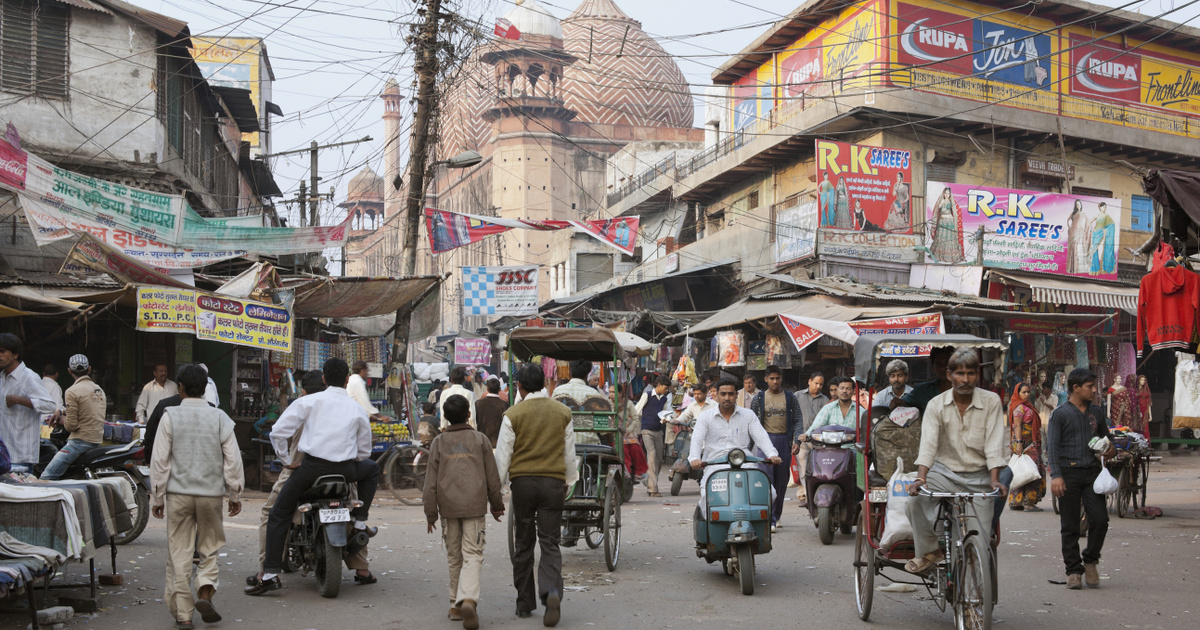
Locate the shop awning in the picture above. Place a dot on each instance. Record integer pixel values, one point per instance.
(1066, 290)
(359, 297)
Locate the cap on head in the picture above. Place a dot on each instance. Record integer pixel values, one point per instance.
(78, 363)
(203, 367)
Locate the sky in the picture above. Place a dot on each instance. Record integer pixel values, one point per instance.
(332, 57)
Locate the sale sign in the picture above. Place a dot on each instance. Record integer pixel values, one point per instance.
(500, 290)
(160, 309)
(803, 331)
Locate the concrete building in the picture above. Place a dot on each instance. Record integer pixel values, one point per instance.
(112, 92)
(546, 111)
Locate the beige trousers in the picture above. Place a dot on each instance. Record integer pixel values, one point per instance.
(464, 541)
(652, 441)
(802, 462)
(357, 561)
(194, 525)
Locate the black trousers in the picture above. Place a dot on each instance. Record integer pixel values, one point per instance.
(1079, 493)
(364, 474)
(537, 503)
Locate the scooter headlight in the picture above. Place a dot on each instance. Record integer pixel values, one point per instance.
(737, 457)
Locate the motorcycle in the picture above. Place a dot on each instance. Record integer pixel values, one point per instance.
(682, 469)
(734, 525)
(116, 460)
(833, 495)
(316, 543)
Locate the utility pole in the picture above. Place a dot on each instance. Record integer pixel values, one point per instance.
(313, 178)
(306, 203)
(426, 68)
(303, 203)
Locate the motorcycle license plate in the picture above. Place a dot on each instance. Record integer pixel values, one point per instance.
(335, 515)
(145, 470)
(719, 485)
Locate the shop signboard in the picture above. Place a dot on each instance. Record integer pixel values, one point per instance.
(13, 165)
(796, 233)
(864, 199)
(1072, 235)
(161, 309)
(472, 351)
(243, 322)
(234, 62)
(500, 290)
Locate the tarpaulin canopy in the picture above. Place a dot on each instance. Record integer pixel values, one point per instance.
(868, 348)
(358, 297)
(1176, 190)
(565, 344)
(815, 306)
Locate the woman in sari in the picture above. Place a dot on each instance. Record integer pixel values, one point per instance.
(1104, 239)
(1143, 402)
(826, 192)
(946, 246)
(1078, 240)
(1026, 427)
(841, 206)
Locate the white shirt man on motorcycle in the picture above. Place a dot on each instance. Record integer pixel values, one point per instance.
(720, 430)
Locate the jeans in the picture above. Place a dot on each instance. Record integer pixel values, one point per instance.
(537, 504)
(1006, 477)
(65, 457)
(365, 473)
(1079, 493)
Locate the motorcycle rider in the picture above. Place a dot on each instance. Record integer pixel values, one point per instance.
(700, 404)
(718, 431)
(336, 441)
(84, 418)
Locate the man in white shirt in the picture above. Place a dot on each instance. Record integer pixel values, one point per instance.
(50, 383)
(159, 388)
(897, 373)
(336, 440)
(723, 429)
(458, 376)
(23, 402)
(700, 404)
(210, 390)
(356, 387)
(749, 390)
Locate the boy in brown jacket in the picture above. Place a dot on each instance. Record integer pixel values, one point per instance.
(460, 482)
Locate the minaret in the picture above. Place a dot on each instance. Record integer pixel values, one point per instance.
(391, 148)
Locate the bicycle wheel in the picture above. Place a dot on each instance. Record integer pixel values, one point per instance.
(1124, 492)
(405, 474)
(1145, 481)
(864, 570)
(973, 605)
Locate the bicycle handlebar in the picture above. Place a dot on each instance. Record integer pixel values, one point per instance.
(958, 495)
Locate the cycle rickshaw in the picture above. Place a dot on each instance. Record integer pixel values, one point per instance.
(592, 509)
(966, 581)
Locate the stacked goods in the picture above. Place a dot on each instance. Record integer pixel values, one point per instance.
(429, 372)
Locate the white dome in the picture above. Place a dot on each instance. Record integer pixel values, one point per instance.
(531, 18)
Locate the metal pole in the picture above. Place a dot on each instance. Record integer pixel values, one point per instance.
(303, 203)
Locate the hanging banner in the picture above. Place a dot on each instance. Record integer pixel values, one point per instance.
(205, 234)
(49, 226)
(89, 253)
(13, 164)
(1056, 233)
(804, 331)
(243, 322)
(448, 230)
(472, 352)
(166, 310)
(795, 233)
(500, 290)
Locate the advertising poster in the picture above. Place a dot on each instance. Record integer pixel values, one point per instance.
(243, 322)
(12, 166)
(1032, 231)
(472, 352)
(864, 198)
(166, 310)
(796, 233)
(91, 254)
(233, 62)
(804, 333)
(500, 290)
(829, 58)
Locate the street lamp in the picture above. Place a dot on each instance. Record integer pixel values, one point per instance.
(462, 160)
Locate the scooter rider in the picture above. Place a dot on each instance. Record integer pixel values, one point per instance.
(700, 404)
(336, 441)
(718, 431)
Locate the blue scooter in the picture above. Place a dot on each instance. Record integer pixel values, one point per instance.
(735, 523)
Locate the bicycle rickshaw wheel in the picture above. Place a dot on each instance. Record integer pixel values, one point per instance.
(1124, 492)
(405, 474)
(973, 610)
(610, 526)
(593, 537)
(1054, 502)
(864, 569)
(1145, 480)
(512, 532)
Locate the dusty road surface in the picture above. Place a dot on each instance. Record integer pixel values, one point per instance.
(1150, 575)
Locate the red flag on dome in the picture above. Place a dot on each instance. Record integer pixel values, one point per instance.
(507, 30)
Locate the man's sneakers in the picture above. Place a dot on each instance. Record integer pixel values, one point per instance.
(1074, 581)
(262, 587)
(204, 604)
(553, 611)
(470, 617)
(455, 613)
(1091, 575)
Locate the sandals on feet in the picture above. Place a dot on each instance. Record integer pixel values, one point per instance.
(368, 579)
(922, 565)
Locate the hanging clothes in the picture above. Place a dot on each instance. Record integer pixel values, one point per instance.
(1123, 412)
(1081, 353)
(1143, 405)
(1187, 392)
(1126, 359)
(1168, 300)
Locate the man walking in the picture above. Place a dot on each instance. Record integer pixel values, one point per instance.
(458, 376)
(461, 481)
(336, 440)
(1073, 469)
(536, 450)
(811, 401)
(50, 383)
(23, 404)
(157, 389)
(356, 388)
(84, 418)
(653, 403)
(779, 412)
(197, 462)
(489, 411)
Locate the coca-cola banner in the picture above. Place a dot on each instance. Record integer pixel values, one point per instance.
(13, 164)
(448, 230)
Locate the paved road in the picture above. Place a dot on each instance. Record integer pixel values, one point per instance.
(1149, 572)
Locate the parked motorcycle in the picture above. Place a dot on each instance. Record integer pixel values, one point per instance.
(316, 543)
(737, 511)
(116, 460)
(682, 468)
(833, 495)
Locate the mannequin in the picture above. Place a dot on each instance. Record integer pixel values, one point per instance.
(1142, 396)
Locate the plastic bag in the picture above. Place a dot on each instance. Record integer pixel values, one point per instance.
(1105, 484)
(1024, 470)
(895, 525)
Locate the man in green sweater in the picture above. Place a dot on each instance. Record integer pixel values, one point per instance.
(536, 449)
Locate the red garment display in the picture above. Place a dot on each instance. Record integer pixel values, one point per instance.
(1166, 309)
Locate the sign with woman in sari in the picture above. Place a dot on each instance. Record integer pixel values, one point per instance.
(1032, 231)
